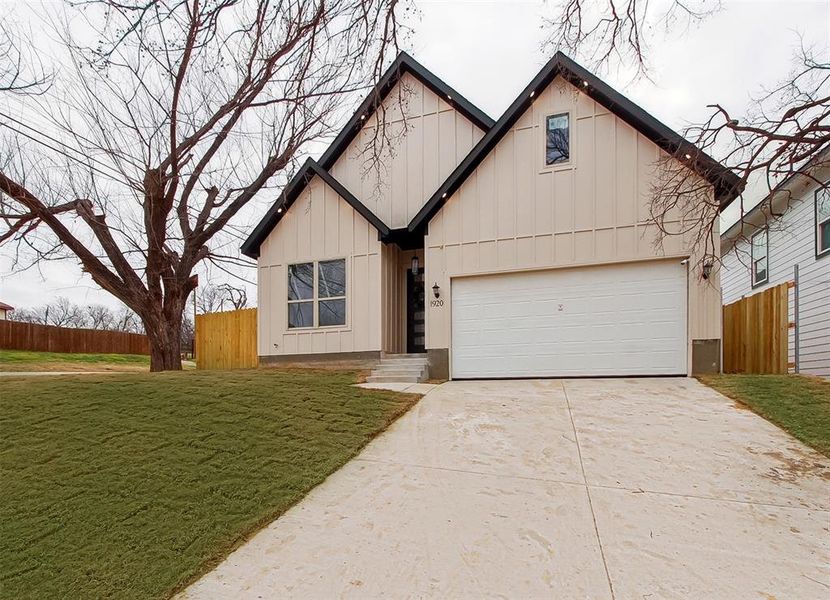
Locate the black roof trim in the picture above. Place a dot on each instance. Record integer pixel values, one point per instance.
(404, 63)
(405, 239)
(291, 192)
(727, 185)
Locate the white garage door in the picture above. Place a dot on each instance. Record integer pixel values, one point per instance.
(609, 320)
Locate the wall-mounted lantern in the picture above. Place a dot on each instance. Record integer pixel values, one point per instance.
(436, 291)
(707, 269)
(415, 265)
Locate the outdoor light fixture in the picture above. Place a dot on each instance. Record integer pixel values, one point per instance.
(436, 291)
(707, 269)
(414, 265)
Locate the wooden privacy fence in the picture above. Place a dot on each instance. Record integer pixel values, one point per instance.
(48, 338)
(226, 340)
(755, 332)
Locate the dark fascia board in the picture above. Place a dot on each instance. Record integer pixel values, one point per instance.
(291, 192)
(404, 63)
(404, 239)
(727, 185)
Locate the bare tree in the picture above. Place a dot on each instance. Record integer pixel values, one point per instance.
(209, 299)
(127, 320)
(236, 297)
(171, 124)
(21, 70)
(215, 298)
(602, 30)
(60, 313)
(784, 132)
(99, 316)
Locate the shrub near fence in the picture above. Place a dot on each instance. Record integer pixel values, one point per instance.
(226, 340)
(48, 338)
(755, 331)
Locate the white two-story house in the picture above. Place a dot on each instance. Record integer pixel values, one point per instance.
(786, 237)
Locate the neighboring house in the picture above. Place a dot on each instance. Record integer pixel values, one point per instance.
(518, 248)
(5, 309)
(788, 231)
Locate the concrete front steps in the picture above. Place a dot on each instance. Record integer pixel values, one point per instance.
(400, 368)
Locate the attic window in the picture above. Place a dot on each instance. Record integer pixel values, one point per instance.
(557, 139)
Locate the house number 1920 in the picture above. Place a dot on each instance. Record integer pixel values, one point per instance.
(437, 303)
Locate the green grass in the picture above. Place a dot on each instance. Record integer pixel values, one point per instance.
(21, 360)
(797, 404)
(131, 485)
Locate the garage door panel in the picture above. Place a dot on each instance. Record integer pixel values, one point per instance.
(610, 320)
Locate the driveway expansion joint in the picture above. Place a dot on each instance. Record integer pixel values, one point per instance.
(588, 492)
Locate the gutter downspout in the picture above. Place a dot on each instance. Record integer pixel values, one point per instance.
(796, 327)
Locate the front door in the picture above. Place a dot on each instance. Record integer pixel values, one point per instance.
(415, 311)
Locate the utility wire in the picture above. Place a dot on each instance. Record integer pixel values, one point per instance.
(118, 177)
(62, 143)
(113, 174)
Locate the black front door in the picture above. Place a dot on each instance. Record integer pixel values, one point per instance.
(415, 329)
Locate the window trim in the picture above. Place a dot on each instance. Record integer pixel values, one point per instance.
(315, 296)
(567, 164)
(755, 284)
(816, 224)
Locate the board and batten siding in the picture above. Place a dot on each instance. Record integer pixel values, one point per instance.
(791, 242)
(513, 213)
(320, 225)
(425, 139)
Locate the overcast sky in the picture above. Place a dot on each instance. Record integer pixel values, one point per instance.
(489, 50)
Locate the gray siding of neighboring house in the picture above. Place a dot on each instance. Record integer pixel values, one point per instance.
(791, 242)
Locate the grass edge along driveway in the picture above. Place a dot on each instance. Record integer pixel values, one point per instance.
(798, 404)
(133, 485)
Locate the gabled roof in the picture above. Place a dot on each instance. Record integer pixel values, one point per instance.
(777, 200)
(291, 192)
(725, 182)
(403, 64)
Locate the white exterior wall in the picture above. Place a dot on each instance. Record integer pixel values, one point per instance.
(791, 242)
(428, 138)
(320, 225)
(514, 214)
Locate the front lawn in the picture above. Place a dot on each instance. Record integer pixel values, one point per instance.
(797, 404)
(23, 360)
(131, 485)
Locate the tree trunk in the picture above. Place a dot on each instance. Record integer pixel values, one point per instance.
(165, 344)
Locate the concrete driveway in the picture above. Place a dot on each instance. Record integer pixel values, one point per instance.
(617, 488)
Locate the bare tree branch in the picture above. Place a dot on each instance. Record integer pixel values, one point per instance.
(158, 136)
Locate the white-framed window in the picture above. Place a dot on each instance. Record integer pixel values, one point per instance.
(822, 221)
(317, 294)
(557, 139)
(760, 258)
